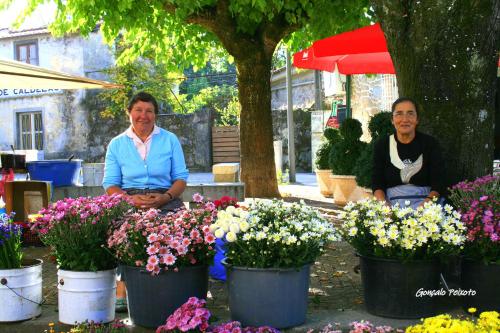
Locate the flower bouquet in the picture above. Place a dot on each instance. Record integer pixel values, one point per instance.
(270, 248)
(402, 233)
(479, 203)
(193, 316)
(77, 230)
(21, 290)
(273, 234)
(11, 253)
(399, 248)
(164, 259)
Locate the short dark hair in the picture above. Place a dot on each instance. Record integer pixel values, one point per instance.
(405, 99)
(143, 97)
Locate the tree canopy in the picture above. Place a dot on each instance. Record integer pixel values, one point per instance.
(184, 33)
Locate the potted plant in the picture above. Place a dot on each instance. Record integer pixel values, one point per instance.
(20, 280)
(270, 248)
(343, 155)
(76, 230)
(399, 250)
(379, 126)
(165, 259)
(479, 203)
(323, 170)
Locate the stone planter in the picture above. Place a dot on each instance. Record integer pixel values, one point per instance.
(343, 188)
(323, 179)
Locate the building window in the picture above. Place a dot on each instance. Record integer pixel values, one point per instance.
(27, 51)
(30, 129)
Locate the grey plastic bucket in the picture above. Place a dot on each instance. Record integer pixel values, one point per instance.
(274, 297)
(151, 299)
(395, 289)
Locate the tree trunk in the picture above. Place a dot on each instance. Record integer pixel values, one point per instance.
(445, 55)
(258, 171)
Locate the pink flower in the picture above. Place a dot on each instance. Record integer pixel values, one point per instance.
(152, 238)
(152, 250)
(197, 197)
(169, 259)
(153, 260)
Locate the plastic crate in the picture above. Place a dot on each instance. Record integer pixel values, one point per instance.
(59, 172)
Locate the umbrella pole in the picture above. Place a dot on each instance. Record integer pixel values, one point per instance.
(348, 96)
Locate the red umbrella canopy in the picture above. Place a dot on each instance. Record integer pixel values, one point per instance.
(361, 51)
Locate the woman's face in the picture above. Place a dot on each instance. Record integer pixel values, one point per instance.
(142, 117)
(404, 118)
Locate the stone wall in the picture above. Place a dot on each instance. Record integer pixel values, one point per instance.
(302, 121)
(370, 95)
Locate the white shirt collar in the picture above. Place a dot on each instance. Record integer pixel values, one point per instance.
(131, 134)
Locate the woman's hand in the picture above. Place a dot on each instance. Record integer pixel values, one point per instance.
(151, 200)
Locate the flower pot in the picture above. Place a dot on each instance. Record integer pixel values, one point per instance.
(344, 186)
(268, 296)
(21, 291)
(396, 290)
(151, 299)
(323, 179)
(482, 280)
(86, 296)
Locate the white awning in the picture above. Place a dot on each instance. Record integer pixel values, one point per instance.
(15, 74)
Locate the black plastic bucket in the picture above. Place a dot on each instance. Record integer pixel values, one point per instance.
(400, 290)
(481, 283)
(151, 299)
(268, 296)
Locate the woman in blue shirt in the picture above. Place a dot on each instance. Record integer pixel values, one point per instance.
(146, 162)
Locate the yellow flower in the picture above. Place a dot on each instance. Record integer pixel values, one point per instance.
(472, 310)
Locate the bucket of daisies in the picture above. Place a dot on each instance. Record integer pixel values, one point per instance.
(270, 248)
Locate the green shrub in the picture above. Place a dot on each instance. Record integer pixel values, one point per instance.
(322, 156)
(323, 153)
(379, 126)
(345, 151)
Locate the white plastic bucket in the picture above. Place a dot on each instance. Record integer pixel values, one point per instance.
(86, 296)
(92, 174)
(22, 300)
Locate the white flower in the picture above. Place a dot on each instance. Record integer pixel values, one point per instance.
(231, 237)
(234, 227)
(219, 233)
(244, 226)
(353, 231)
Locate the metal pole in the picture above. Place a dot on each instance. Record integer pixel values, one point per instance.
(289, 117)
(348, 96)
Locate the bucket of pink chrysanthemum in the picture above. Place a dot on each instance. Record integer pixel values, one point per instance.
(164, 259)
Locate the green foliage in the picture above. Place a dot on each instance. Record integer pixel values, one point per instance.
(323, 153)
(323, 156)
(347, 149)
(223, 99)
(379, 126)
(331, 134)
(363, 167)
(135, 77)
(351, 129)
(160, 28)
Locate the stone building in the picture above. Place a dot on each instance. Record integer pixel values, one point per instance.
(48, 120)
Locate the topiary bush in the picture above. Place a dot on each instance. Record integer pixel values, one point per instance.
(322, 156)
(323, 153)
(379, 126)
(345, 151)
